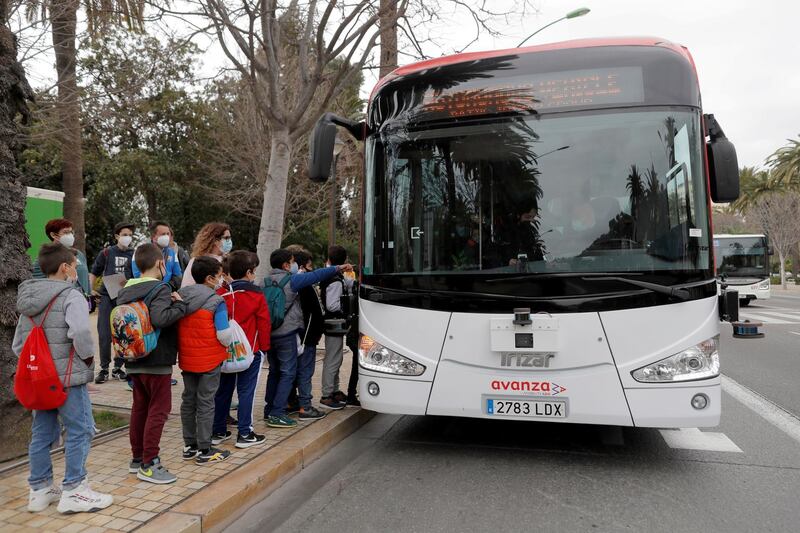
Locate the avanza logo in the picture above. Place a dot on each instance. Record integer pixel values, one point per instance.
(548, 388)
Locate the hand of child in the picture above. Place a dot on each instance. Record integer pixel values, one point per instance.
(347, 267)
(176, 297)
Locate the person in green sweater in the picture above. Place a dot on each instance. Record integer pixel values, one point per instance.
(60, 230)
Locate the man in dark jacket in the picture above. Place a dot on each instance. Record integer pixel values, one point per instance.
(151, 375)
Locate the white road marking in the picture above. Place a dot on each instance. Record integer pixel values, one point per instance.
(794, 333)
(772, 413)
(765, 319)
(694, 439)
(770, 312)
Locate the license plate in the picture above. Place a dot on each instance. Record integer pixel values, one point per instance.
(526, 408)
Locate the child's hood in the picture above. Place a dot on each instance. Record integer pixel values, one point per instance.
(136, 290)
(34, 295)
(197, 296)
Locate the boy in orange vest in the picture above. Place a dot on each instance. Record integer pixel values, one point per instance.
(203, 337)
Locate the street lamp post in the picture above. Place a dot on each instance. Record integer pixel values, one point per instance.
(337, 149)
(571, 15)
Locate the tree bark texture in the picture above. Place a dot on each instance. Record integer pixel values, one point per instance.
(270, 232)
(388, 9)
(16, 267)
(64, 19)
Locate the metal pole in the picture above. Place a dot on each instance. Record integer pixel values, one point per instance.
(332, 214)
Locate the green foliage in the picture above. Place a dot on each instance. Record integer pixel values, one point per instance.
(785, 165)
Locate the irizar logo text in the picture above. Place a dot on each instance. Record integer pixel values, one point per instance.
(526, 359)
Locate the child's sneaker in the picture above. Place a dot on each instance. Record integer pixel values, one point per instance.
(39, 500)
(339, 396)
(311, 413)
(156, 473)
(134, 466)
(211, 455)
(282, 421)
(82, 499)
(329, 402)
(253, 439)
(102, 377)
(219, 438)
(354, 401)
(190, 452)
(119, 374)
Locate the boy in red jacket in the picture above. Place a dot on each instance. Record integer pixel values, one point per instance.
(248, 307)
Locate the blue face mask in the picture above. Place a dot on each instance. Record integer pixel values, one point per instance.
(227, 245)
(293, 268)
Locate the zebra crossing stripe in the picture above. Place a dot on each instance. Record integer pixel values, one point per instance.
(781, 315)
(764, 318)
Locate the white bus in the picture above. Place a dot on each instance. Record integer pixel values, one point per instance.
(536, 240)
(743, 264)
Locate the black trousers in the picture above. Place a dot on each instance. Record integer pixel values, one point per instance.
(104, 332)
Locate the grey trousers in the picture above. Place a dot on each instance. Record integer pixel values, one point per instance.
(334, 352)
(197, 407)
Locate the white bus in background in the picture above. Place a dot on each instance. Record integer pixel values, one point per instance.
(743, 264)
(535, 240)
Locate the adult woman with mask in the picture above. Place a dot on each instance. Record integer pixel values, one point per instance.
(60, 230)
(213, 240)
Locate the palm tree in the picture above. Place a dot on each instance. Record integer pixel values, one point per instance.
(63, 15)
(753, 184)
(785, 165)
(14, 93)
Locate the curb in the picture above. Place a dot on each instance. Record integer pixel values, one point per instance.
(222, 502)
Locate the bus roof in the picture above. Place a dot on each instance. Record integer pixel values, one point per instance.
(561, 45)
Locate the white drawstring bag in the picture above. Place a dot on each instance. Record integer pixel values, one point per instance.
(240, 350)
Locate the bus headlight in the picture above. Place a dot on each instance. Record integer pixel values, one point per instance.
(374, 356)
(764, 285)
(698, 362)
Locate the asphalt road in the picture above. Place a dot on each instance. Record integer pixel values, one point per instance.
(433, 474)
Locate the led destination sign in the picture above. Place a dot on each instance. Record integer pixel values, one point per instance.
(556, 90)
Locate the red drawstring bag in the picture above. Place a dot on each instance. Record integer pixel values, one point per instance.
(36, 383)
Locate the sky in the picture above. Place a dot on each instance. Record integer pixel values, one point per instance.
(747, 55)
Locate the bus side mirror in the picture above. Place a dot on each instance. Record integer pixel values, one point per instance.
(320, 149)
(723, 165)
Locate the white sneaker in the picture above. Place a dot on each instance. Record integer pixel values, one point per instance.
(39, 500)
(82, 499)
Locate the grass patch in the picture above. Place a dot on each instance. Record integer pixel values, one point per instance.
(106, 420)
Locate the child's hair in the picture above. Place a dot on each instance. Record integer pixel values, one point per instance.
(240, 261)
(203, 267)
(337, 255)
(302, 257)
(226, 266)
(280, 256)
(146, 256)
(55, 226)
(52, 255)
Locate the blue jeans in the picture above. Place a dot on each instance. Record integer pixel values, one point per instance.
(245, 383)
(305, 371)
(282, 357)
(76, 415)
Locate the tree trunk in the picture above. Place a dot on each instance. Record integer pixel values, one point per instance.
(782, 259)
(270, 233)
(388, 10)
(63, 17)
(795, 260)
(14, 91)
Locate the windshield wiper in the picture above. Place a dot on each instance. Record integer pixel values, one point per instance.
(545, 275)
(673, 291)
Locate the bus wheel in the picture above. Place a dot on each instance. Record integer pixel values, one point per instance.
(744, 303)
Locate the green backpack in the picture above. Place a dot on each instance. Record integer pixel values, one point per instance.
(276, 300)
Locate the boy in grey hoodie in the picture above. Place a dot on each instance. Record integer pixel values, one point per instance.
(61, 309)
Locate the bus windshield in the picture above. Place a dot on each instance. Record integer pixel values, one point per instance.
(742, 256)
(589, 191)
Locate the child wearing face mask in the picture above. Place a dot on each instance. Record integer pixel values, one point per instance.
(248, 307)
(151, 375)
(111, 260)
(161, 235)
(203, 338)
(61, 230)
(56, 305)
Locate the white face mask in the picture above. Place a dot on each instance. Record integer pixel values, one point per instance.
(68, 239)
(125, 241)
(163, 241)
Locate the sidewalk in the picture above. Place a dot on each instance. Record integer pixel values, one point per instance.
(137, 502)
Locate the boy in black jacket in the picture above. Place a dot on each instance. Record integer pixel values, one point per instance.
(152, 399)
